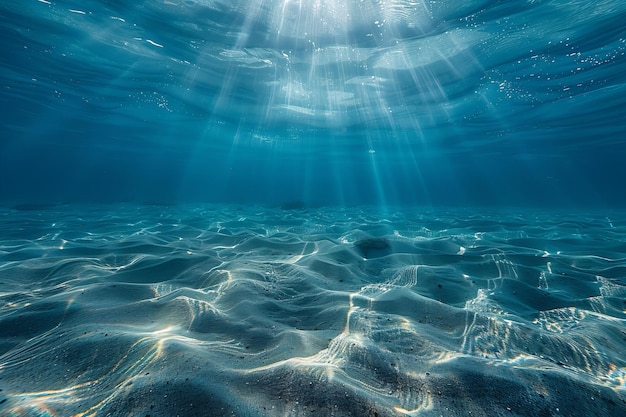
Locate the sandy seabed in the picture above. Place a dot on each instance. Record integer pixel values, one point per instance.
(255, 311)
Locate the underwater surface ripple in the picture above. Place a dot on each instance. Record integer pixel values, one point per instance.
(253, 311)
(329, 102)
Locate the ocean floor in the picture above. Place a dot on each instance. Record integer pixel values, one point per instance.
(211, 310)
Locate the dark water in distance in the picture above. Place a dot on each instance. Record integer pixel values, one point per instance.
(517, 103)
(312, 208)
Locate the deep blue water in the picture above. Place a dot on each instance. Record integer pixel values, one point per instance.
(312, 208)
(516, 103)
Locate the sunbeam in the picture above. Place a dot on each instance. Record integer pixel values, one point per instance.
(312, 208)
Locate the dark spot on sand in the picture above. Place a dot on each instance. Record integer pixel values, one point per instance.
(373, 247)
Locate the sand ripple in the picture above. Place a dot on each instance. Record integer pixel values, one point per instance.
(252, 311)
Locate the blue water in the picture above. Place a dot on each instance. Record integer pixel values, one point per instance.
(312, 208)
(322, 102)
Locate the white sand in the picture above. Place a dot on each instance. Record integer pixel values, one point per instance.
(252, 311)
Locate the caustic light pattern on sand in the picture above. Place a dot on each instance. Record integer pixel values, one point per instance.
(255, 311)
